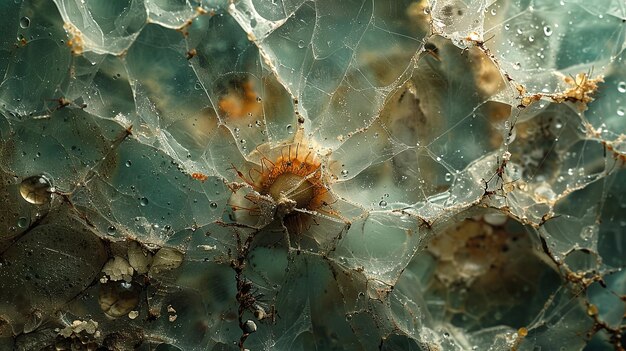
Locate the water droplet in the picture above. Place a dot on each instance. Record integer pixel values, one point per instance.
(22, 222)
(213, 205)
(128, 163)
(36, 190)
(493, 12)
(621, 87)
(547, 31)
(143, 201)
(111, 230)
(507, 26)
(289, 129)
(301, 44)
(382, 203)
(344, 173)
(531, 38)
(249, 326)
(448, 177)
(517, 66)
(24, 22)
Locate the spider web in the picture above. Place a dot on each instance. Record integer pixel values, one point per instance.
(473, 152)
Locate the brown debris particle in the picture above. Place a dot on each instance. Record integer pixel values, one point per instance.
(581, 90)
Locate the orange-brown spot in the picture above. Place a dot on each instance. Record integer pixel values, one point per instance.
(241, 101)
(199, 176)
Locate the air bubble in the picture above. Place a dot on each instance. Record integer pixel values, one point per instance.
(382, 203)
(344, 173)
(24, 22)
(547, 31)
(213, 205)
(301, 44)
(111, 230)
(36, 189)
(143, 201)
(589, 232)
(289, 129)
(620, 111)
(517, 66)
(621, 87)
(531, 38)
(128, 163)
(448, 177)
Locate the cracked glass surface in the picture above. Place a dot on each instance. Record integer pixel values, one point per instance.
(312, 175)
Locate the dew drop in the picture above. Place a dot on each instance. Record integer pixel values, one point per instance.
(531, 38)
(143, 201)
(24, 22)
(620, 111)
(111, 230)
(128, 163)
(289, 129)
(344, 173)
(36, 190)
(382, 203)
(213, 205)
(517, 66)
(621, 87)
(301, 44)
(448, 177)
(547, 31)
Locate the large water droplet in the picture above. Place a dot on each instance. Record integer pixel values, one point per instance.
(143, 201)
(24, 22)
(22, 222)
(36, 190)
(117, 299)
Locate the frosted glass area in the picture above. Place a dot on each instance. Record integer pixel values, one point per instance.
(312, 175)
